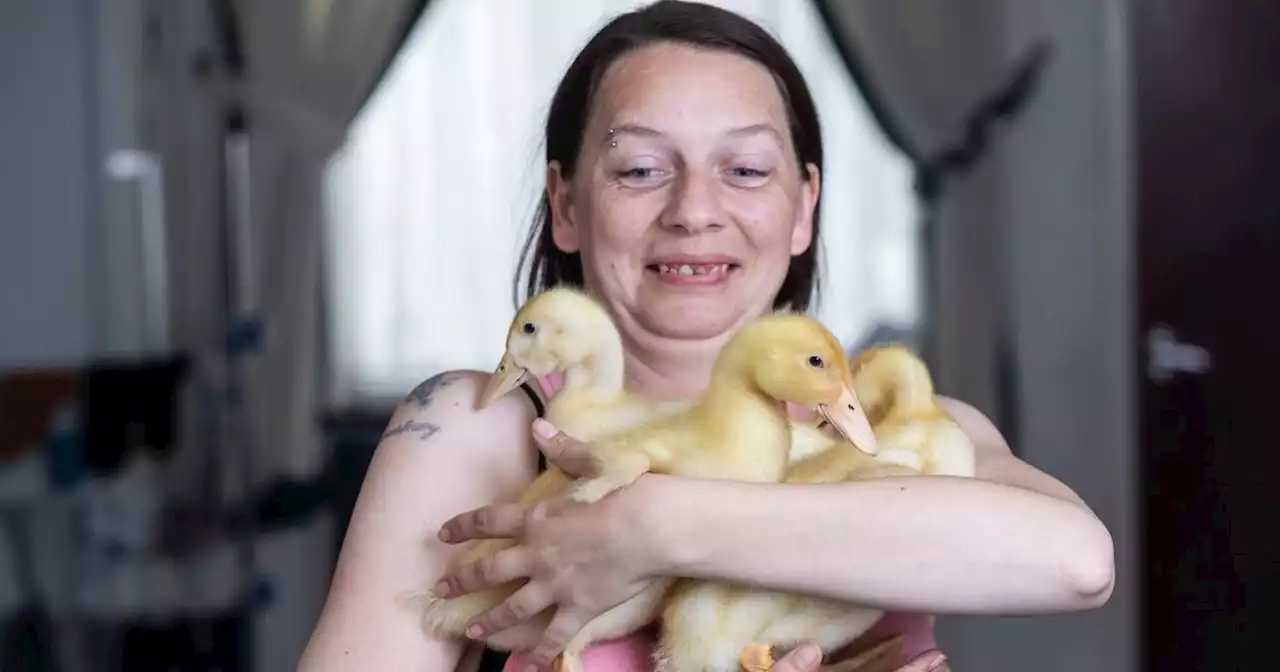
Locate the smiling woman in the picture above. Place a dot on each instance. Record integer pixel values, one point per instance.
(684, 171)
(441, 168)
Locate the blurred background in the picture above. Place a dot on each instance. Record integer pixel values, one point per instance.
(219, 220)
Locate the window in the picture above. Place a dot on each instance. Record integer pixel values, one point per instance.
(429, 200)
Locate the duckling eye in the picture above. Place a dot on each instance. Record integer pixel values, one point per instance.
(816, 362)
(528, 328)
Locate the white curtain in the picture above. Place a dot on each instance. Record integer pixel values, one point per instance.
(311, 64)
(429, 200)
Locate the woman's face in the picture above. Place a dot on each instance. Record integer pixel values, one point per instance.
(687, 202)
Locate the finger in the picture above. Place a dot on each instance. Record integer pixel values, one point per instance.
(498, 521)
(566, 453)
(805, 658)
(563, 627)
(523, 605)
(929, 661)
(501, 567)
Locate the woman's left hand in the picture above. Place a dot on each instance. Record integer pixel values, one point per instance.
(580, 559)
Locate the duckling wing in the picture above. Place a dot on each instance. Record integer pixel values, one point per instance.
(591, 419)
(622, 458)
(842, 462)
(939, 444)
(950, 451)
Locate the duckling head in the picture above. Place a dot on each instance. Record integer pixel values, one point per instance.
(556, 331)
(889, 378)
(795, 358)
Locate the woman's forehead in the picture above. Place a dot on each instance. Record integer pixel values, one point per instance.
(668, 87)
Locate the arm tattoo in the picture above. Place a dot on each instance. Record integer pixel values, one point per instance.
(422, 394)
(425, 429)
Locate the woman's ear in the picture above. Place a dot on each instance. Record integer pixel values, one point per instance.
(802, 230)
(564, 227)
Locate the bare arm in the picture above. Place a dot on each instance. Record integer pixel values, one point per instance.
(437, 458)
(1014, 540)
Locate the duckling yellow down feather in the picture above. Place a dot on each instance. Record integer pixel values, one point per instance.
(719, 627)
(560, 331)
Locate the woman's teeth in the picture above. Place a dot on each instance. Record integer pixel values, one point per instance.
(693, 269)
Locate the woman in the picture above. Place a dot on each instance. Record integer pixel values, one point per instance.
(684, 166)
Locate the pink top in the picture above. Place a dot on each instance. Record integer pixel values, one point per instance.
(634, 652)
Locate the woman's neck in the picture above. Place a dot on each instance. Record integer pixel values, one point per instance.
(662, 368)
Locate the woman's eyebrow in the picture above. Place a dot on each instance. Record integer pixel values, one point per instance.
(610, 138)
(757, 129)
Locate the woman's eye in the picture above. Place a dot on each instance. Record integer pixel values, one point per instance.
(745, 176)
(634, 174)
(641, 177)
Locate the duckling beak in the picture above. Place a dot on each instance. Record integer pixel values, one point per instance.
(847, 416)
(505, 378)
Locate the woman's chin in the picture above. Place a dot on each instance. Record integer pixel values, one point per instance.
(689, 325)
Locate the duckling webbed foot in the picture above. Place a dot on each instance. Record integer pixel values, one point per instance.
(756, 658)
(617, 471)
(883, 657)
(565, 663)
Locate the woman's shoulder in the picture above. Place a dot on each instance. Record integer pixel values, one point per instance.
(438, 457)
(456, 392)
(442, 409)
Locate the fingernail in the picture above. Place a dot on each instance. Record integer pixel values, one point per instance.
(808, 656)
(475, 631)
(544, 429)
(443, 534)
(937, 663)
(442, 589)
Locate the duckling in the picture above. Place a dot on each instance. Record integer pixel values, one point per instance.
(738, 429)
(713, 626)
(912, 429)
(914, 436)
(565, 331)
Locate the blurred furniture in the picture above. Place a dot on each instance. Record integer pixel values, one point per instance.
(28, 401)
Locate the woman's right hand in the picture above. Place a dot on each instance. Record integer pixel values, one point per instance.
(808, 658)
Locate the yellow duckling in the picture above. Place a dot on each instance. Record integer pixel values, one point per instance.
(738, 429)
(560, 331)
(914, 436)
(911, 428)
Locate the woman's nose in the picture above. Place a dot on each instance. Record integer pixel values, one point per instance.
(695, 205)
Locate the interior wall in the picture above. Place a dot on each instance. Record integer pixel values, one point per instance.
(47, 114)
(80, 80)
(1062, 187)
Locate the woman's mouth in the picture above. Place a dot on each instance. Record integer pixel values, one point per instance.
(693, 274)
